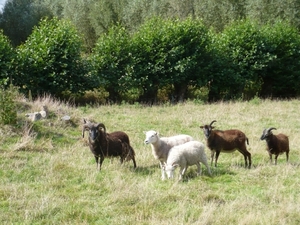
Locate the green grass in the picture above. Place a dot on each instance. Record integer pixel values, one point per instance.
(49, 176)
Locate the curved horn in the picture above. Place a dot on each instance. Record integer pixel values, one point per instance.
(84, 128)
(271, 128)
(212, 122)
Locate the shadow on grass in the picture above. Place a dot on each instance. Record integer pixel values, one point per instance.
(146, 170)
(220, 171)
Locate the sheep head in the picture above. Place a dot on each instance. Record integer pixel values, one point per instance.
(93, 129)
(169, 170)
(151, 137)
(208, 128)
(267, 133)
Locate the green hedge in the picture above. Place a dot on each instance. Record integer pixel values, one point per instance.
(50, 60)
(163, 60)
(6, 59)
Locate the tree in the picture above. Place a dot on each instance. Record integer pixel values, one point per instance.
(281, 75)
(50, 60)
(19, 17)
(7, 54)
(111, 58)
(170, 52)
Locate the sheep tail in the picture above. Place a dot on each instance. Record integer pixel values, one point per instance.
(247, 141)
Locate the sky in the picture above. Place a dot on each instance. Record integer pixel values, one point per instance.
(2, 2)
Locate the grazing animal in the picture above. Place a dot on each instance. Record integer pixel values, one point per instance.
(185, 155)
(161, 145)
(276, 144)
(226, 141)
(102, 144)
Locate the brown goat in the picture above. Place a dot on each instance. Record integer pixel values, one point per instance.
(276, 144)
(226, 141)
(102, 144)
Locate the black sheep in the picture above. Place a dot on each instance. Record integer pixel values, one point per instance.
(102, 144)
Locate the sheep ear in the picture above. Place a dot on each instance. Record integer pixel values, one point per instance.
(201, 127)
(175, 165)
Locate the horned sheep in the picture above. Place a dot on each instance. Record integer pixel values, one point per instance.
(185, 155)
(102, 144)
(276, 144)
(161, 145)
(226, 141)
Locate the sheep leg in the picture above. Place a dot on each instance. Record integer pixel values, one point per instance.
(246, 155)
(249, 158)
(270, 155)
(276, 156)
(182, 172)
(134, 163)
(212, 157)
(287, 156)
(198, 169)
(217, 156)
(207, 166)
(163, 174)
(250, 161)
(101, 161)
(97, 161)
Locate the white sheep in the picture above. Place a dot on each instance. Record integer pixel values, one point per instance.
(161, 145)
(185, 155)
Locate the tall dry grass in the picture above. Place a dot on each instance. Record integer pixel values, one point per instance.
(48, 175)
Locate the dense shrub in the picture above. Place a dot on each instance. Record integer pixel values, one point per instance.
(50, 60)
(6, 57)
(8, 109)
(264, 59)
(170, 52)
(111, 59)
(242, 46)
(281, 75)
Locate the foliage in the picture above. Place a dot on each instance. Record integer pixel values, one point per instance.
(264, 59)
(111, 59)
(8, 109)
(50, 60)
(241, 45)
(266, 12)
(7, 55)
(19, 17)
(149, 51)
(79, 12)
(173, 52)
(281, 76)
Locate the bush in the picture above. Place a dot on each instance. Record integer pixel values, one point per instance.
(6, 57)
(111, 59)
(241, 47)
(280, 76)
(50, 60)
(170, 52)
(8, 109)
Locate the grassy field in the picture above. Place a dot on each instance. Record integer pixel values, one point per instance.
(49, 176)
